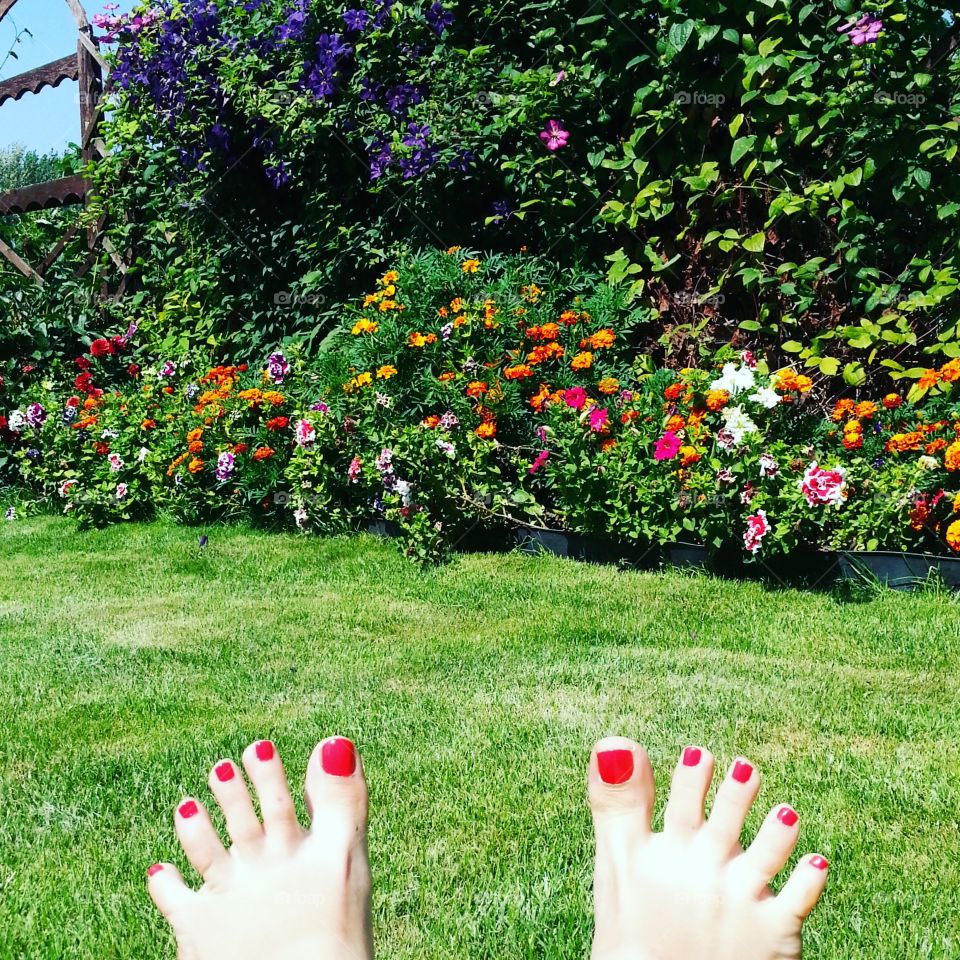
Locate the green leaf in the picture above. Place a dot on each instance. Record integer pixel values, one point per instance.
(680, 33)
(741, 147)
(755, 243)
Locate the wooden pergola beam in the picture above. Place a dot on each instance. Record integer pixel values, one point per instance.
(33, 81)
(43, 196)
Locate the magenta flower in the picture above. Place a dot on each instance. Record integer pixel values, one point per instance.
(757, 528)
(575, 397)
(865, 30)
(554, 136)
(540, 460)
(668, 446)
(598, 419)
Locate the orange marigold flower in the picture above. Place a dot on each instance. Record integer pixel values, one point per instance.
(239, 448)
(545, 331)
(391, 276)
(148, 425)
(674, 391)
(607, 445)
(930, 378)
(602, 339)
(431, 422)
(891, 401)
(253, 397)
(518, 372)
(278, 423)
(951, 459)
(195, 434)
(487, 430)
(444, 377)
(569, 317)
(477, 388)
(919, 514)
(386, 372)
(953, 536)
(195, 465)
(363, 325)
(866, 410)
(956, 503)
(196, 446)
(608, 385)
(688, 456)
(675, 423)
(457, 305)
(902, 442)
(628, 415)
(470, 266)
(842, 408)
(717, 400)
(453, 250)
(582, 361)
(950, 372)
(790, 380)
(277, 399)
(545, 351)
(263, 453)
(935, 446)
(541, 398)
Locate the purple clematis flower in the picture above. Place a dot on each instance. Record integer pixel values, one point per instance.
(554, 136)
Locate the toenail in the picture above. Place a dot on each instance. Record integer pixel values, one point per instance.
(820, 863)
(188, 810)
(691, 756)
(742, 771)
(338, 757)
(787, 816)
(615, 766)
(224, 771)
(156, 868)
(264, 750)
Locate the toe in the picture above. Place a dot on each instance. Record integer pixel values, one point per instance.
(198, 837)
(770, 851)
(230, 789)
(731, 805)
(336, 788)
(802, 891)
(691, 779)
(620, 786)
(167, 888)
(263, 766)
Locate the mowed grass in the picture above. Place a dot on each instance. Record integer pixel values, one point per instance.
(129, 664)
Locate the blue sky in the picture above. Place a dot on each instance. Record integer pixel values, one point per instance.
(51, 119)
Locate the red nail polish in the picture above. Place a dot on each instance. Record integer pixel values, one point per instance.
(264, 750)
(787, 816)
(188, 810)
(819, 863)
(156, 868)
(224, 771)
(338, 757)
(691, 756)
(615, 766)
(742, 771)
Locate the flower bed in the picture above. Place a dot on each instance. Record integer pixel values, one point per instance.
(464, 394)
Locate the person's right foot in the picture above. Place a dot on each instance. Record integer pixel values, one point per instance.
(692, 892)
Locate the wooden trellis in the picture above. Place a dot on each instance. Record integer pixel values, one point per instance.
(88, 68)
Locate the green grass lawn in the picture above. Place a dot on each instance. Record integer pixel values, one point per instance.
(128, 665)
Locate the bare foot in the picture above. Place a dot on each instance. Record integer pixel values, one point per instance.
(281, 892)
(692, 892)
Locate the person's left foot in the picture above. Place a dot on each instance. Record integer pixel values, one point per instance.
(281, 891)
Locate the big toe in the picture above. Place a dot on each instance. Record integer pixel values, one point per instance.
(336, 788)
(620, 787)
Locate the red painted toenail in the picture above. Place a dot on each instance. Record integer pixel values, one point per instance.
(691, 756)
(742, 771)
(156, 868)
(264, 750)
(820, 863)
(338, 757)
(787, 816)
(224, 771)
(188, 810)
(615, 766)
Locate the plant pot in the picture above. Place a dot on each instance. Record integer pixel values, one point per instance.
(899, 571)
(802, 567)
(578, 546)
(484, 540)
(384, 528)
(688, 555)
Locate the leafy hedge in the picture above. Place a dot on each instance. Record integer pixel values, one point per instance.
(742, 168)
(463, 392)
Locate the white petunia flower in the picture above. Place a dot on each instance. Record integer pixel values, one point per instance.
(734, 380)
(738, 423)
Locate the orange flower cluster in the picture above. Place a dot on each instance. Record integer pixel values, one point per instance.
(546, 331)
(948, 373)
(903, 442)
(853, 435)
(582, 361)
(518, 372)
(717, 400)
(545, 351)
(951, 459)
(791, 381)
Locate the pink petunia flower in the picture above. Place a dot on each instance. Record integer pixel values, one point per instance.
(668, 446)
(757, 528)
(823, 487)
(575, 397)
(554, 136)
(598, 419)
(539, 461)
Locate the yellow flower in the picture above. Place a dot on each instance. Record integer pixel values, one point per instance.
(953, 536)
(364, 379)
(363, 325)
(391, 276)
(470, 266)
(456, 305)
(608, 385)
(386, 372)
(582, 361)
(274, 398)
